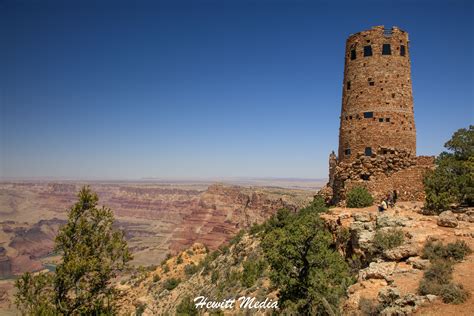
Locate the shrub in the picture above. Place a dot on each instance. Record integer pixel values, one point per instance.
(179, 260)
(166, 268)
(186, 307)
(453, 251)
(368, 307)
(251, 272)
(439, 271)
(224, 249)
(256, 228)
(359, 197)
(433, 250)
(429, 287)
(388, 239)
(458, 250)
(319, 202)
(450, 292)
(454, 293)
(140, 309)
(237, 237)
(231, 277)
(171, 283)
(437, 280)
(213, 255)
(343, 237)
(214, 276)
(164, 261)
(190, 269)
(156, 278)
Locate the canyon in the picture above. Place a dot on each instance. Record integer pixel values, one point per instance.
(157, 218)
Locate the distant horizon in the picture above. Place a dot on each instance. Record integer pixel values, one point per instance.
(278, 183)
(156, 179)
(208, 89)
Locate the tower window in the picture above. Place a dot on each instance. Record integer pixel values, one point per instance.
(368, 151)
(368, 114)
(402, 50)
(347, 152)
(348, 85)
(371, 83)
(381, 119)
(386, 50)
(367, 50)
(353, 54)
(387, 119)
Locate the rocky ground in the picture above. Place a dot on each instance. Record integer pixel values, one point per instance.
(392, 279)
(400, 270)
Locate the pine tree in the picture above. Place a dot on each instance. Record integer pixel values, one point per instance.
(93, 252)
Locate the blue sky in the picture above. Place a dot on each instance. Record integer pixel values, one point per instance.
(115, 89)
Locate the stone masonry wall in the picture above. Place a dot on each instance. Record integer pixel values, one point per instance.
(377, 101)
(386, 170)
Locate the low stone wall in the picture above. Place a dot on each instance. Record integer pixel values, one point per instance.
(385, 171)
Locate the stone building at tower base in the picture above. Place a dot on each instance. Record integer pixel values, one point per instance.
(386, 170)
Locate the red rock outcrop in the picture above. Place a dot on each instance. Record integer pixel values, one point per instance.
(222, 211)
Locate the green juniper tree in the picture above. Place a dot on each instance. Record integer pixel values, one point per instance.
(93, 251)
(311, 275)
(452, 182)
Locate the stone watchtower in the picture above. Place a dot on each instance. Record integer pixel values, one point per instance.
(377, 135)
(377, 99)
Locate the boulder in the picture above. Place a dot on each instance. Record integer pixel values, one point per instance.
(447, 219)
(418, 263)
(388, 295)
(401, 252)
(395, 304)
(362, 234)
(431, 298)
(365, 240)
(378, 270)
(361, 226)
(466, 217)
(396, 311)
(391, 221)
(362, 217)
